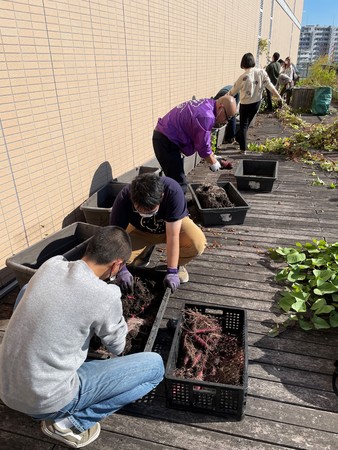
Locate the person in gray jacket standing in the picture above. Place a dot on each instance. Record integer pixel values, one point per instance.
(43, 368)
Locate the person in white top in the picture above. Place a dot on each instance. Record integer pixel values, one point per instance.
(250, 86)
(286, 79)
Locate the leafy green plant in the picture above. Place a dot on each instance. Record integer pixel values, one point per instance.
(288, 118)
(213, 142)
(321, 73)
(301, 145)
(318, 182)
(263, 45)
(311, 277)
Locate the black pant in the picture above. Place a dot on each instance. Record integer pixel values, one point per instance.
(246, 114)
(170, 158)
(268, 99)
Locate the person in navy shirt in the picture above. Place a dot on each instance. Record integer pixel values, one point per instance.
(153, 210)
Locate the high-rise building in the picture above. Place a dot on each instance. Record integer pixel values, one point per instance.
(316, 41)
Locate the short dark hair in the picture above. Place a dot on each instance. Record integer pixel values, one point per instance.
(108, 244)
(248, 61)
(276, 56)
(146, 190)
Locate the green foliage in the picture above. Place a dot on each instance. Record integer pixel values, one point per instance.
(288, 118)
(321, 73)
(300, 146)
(263, 46)
(213, 142)
(311, 278)
(318, 182)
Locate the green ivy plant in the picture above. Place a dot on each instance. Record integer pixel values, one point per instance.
(310, 298)
(213, 142)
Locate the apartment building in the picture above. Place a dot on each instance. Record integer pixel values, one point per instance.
(314, 42)
(83, 83)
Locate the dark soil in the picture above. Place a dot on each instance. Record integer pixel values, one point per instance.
(213, 196)
(207, 353)
(139, 310)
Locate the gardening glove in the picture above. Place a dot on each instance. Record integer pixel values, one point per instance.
(171, 280)
(125, 280)
(215, 167)
(280, 103)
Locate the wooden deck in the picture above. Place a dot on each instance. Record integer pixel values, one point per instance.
(290, 403)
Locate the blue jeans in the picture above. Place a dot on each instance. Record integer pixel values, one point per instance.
(108, 385)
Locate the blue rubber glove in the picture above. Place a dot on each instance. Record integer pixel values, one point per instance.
(171, 280)
(125, 280)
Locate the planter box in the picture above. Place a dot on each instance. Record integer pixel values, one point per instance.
(98, 207)
(202, 396)
(222, 216)
(70, 242)
(158, 306)
(256, 175)
(302, 98)
(148, 169)
(219, 133)
(188, 163)
(157, 276)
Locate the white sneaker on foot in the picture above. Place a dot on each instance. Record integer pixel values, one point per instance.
(183, 274)
(70, 436)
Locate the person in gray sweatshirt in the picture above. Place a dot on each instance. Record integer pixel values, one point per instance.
(43, 367)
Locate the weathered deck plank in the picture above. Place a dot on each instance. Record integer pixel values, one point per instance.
(290, 403)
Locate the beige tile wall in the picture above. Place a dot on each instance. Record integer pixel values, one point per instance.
(82, 83)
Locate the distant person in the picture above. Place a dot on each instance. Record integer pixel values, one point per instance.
(230, 130)
(186, 129)
(286, 79)
(273, 70)
(250, 85)
(43, 368)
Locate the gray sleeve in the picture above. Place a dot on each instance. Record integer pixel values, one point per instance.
(113, 329)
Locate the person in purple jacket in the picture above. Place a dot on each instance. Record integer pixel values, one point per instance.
(153, 210)
(186, 129)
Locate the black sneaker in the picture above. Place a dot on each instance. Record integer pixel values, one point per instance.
(71, 436)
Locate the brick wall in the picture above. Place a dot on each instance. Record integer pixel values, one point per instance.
(83, 83)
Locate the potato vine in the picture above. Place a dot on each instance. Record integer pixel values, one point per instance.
(310, 297)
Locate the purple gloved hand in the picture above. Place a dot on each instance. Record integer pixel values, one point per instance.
(125, 280)
(171, 280)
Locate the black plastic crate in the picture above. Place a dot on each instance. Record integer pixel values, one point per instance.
(202, 396)
(222, 216)
(70, 242)
(149, 169)
(256, 175)
(97, 207)
(157, 308)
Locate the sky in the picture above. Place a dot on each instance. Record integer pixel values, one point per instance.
(320, 12)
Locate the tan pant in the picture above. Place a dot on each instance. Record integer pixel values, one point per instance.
(192, 241)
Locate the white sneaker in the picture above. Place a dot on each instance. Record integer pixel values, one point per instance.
(183, 274)
(70, 436)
